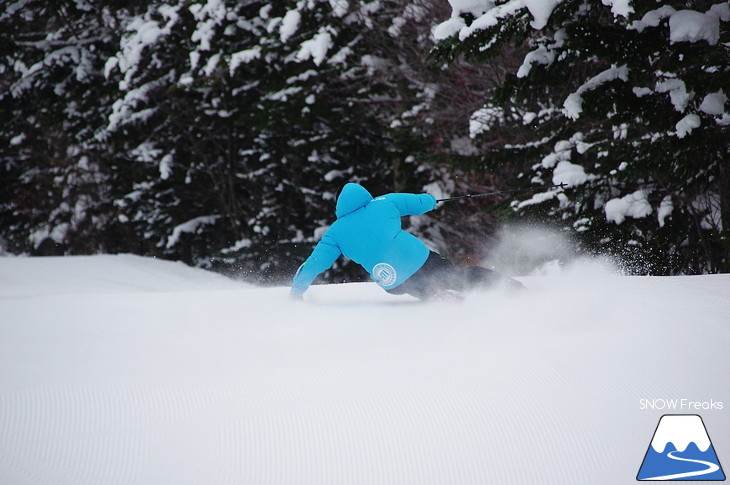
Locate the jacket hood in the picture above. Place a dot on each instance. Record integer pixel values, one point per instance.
(352, 197)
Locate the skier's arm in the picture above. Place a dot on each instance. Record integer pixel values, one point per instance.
(324, 255)
(412, 204)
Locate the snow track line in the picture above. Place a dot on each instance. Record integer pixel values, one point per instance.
(711, 469)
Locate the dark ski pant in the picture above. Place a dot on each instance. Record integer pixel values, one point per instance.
(438, 274)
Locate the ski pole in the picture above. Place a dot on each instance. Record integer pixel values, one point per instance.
(487, 194)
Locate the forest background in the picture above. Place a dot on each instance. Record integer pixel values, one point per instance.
(216, 133)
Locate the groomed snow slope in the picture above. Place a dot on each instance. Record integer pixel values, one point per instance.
(126, 370)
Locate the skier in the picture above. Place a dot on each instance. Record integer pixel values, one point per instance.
(368, 231)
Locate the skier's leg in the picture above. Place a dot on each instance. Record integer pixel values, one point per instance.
(478, 277)
(448, 275)
(426, 282)
(438, 274)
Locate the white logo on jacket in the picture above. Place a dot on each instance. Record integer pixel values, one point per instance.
(384, 274)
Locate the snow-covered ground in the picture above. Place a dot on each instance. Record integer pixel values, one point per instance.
(126, 370)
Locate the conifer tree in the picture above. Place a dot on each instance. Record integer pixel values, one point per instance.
(216, 132)
(57, 181)
(624, 101)
(242, 120)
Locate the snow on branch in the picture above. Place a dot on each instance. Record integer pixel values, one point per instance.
(692, 26)
(714, 103)
(316, 48)
(483, 119)
(142, 32)
(619, 7)
(677, 92)
(544, 54)
(70, 55)
(687, 25)
(289, 24)
(633, 205)
(209, 16)
(488, 15)
(127, 109)
(243, 57)
(652, 18)
(573, 105)
(687, 124)
(190, 226)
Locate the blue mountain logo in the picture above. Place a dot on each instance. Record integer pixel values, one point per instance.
(680, 450)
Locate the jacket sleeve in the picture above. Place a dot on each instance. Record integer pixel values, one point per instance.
(324, 255)
(412, 204)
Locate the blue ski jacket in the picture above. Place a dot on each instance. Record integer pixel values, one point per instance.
(368, 231)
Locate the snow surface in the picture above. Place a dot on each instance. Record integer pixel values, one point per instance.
(121, 369)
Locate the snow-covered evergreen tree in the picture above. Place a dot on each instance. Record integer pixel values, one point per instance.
(624, 101)
(243, 119)
(214, 132)
(57, 180)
